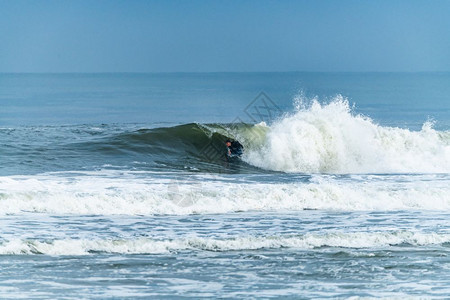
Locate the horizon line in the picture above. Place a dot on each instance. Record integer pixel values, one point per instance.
(217, 72)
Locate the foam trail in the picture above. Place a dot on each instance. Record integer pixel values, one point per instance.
(330, 139)
(133, 194)
(357, 240)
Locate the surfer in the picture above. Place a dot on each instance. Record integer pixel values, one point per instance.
(234, 148)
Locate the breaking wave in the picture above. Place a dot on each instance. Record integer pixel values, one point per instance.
(319, 138)
(355, 240)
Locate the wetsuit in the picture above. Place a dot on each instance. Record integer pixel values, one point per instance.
(235, 149)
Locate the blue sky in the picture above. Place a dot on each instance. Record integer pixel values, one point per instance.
(214, 36)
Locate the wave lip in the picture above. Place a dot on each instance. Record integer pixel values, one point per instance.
(355, 240)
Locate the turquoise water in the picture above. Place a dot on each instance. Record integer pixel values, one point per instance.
(116, 185)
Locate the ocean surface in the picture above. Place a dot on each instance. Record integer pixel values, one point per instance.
(116, 186)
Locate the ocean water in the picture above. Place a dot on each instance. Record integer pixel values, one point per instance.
(116, 186)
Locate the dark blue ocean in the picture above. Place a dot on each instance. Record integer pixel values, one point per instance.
(117, 186)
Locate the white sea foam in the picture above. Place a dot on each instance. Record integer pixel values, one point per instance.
(139, 194)
(358, 240)
(331, 139)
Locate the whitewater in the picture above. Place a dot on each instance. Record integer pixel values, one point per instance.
(103, 193)
(329, 138)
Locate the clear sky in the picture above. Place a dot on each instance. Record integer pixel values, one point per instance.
(212, 36)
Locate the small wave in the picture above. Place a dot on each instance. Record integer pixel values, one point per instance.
(356, 240)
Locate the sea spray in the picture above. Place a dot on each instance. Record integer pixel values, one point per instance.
(330, 138)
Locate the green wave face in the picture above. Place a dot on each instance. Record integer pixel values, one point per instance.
(193, 146)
